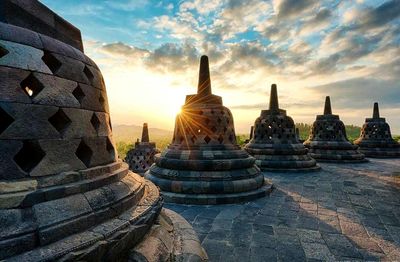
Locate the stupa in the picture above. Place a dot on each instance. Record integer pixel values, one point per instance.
(204, 164)
(64, 195)
(275, 144)
(328, 142)
(141, 157)
(375, 138)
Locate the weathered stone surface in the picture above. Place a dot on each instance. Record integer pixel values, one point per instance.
(27, 116)
(304, 217)
(57, 91)
(274, 142)
(64, 196)
(10, 85)
(58, 151)
(23, 56)
(204, 147)
(20, 35)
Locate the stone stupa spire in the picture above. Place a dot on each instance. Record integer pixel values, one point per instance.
(327, 108)
(145, 134)
(204, 86)
(273, 99)
(375, 114)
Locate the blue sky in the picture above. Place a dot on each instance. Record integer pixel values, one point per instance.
(346, 49)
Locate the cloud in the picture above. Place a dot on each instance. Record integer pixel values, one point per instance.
(124, 50)
(171, 57)
(381, 15)
(317, 22)
(361, 92)
(287, 9)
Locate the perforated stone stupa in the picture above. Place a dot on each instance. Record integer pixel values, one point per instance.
(275, 144)
(375, 138)
(64, 195)
(141, 157)
(328, 142)
(204, 164)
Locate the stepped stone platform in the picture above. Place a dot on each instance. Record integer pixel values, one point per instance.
(376, 139)
(342, 213)
(274, 142)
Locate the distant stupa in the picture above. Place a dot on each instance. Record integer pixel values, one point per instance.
(204, 164)
(141, 157)
(275, 144)
(375, 138)
(328, 142)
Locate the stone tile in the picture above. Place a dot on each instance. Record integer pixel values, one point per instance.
(317, 251)
(340, 246)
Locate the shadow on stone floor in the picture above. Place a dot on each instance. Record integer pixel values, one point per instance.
(336, 214)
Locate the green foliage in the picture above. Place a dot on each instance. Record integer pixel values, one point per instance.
(397, 138)
(123, 148)
(241, 139)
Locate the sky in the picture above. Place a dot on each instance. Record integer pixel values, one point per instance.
(149, 50)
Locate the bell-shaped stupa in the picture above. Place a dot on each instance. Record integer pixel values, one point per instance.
(141, 157)
(64, 195)
(275, 144)
(375, 138)
(328, 142)
(204, 164)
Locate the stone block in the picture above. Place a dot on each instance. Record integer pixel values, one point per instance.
(27, 116)
(10, 85)
(9, 169)
(20, 35)
(23, 57)
(80, 123)
(57, 91)
(60, 157)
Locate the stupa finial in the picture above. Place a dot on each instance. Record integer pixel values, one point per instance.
(273, 99)
(328, 108)
(376, 111)
(145, 133)
(204, 87)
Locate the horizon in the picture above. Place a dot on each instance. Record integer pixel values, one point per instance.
(310, 49)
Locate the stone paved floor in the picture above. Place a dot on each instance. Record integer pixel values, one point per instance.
(345, 212)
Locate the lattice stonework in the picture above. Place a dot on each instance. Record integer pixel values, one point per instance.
(64, 194)
(376, 139)
(274, 142)
(328, 142)
(141, 157)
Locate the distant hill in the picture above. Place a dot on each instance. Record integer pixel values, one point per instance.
(129, 133)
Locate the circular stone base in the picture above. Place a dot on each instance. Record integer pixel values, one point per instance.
(292, 170)
(216, 199)
(170, 236)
